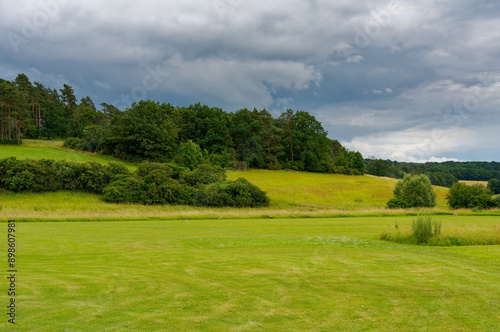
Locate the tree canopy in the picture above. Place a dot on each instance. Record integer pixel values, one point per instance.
(154, 131)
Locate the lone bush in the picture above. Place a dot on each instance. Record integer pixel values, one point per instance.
(424, 228)
(414, 191)
(239, 193)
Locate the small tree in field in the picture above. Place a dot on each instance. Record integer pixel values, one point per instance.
(470, 197)
(415, 191)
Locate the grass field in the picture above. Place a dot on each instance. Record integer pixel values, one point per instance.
(250, 275)
(43, 149)
(484, 183)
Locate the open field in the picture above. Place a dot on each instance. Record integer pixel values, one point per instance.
(484, 183)
(248, 275)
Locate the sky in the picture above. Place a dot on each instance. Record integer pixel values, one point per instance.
(401, 80)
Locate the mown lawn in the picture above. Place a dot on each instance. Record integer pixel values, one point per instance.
(249, 275)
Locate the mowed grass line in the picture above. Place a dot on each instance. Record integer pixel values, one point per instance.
(247, 275)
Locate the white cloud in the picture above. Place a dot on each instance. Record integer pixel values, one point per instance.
(105, 86)
(421, 145)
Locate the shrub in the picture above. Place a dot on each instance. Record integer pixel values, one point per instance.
(49, 175)
(27, 175)
(164, 170)
(494, 186)
(74, 143)
(239, 193)
(166, 191)
(424, 228)
(496, 202)
(127, 189)
(475, 196)
(204, 174)
(399, 203)
(417, 190)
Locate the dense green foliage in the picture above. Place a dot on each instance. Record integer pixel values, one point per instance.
(163, 133)
(413, 191)
(399, 203)
(49, 175)
(152, 183)
(473, 196)
(441, 174)
(494, 186)
(157, 183)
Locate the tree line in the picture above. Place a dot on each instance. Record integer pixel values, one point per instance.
(155, 131)
(441, 174)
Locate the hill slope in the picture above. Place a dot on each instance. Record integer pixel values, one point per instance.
(291, 194)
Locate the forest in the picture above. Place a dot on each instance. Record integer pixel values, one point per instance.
(188, 135)
(443, 174)
(161, 132)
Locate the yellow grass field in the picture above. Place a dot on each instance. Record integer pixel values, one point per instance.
(484, 183)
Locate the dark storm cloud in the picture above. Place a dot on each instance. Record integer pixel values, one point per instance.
(405, 80)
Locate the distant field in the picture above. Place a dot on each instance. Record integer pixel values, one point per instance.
(484, 183)
(250, 275)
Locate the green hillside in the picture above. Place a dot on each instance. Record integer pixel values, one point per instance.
(291, 194)
(43, 149)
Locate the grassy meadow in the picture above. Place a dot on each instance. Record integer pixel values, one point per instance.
(43, 149)
(251, 275)
(312, 261)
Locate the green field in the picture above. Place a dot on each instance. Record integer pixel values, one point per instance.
(249, 275)
(298, 265)
(43, 149)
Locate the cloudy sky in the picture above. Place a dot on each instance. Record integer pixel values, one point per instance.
(410, 80)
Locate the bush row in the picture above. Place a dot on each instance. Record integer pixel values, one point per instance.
(152, 183)
(206, 185)
(49, 175)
